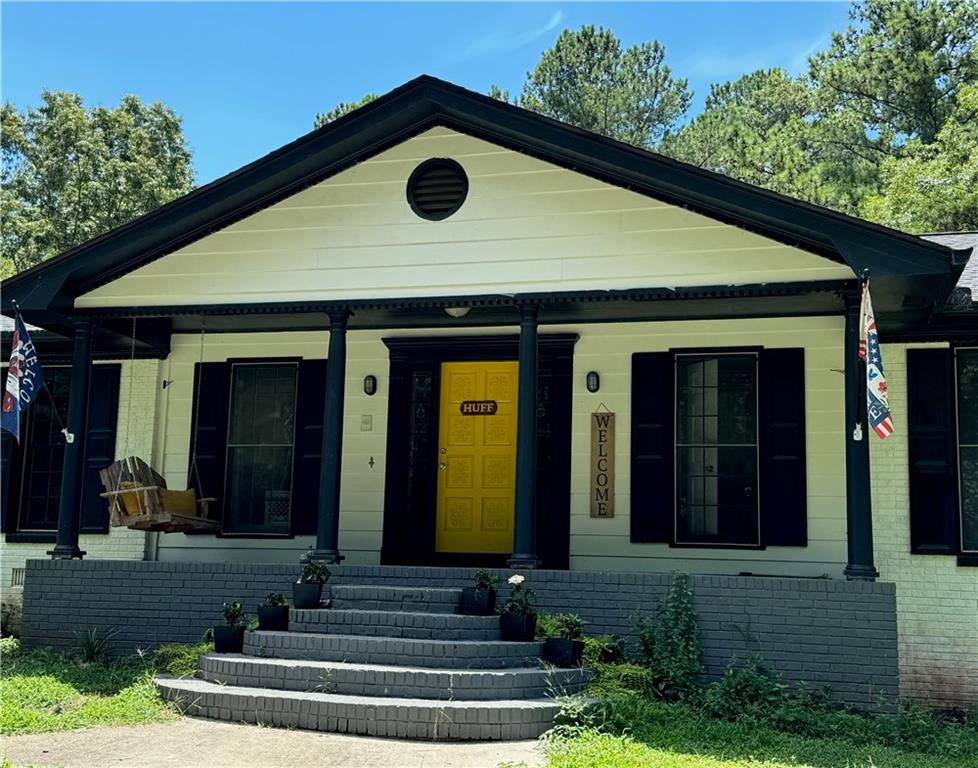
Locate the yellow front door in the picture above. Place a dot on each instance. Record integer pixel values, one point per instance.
(476, 457)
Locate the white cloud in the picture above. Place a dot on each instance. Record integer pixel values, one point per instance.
(505, 40)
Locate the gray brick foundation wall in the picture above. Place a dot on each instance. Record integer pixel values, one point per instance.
(825, 632)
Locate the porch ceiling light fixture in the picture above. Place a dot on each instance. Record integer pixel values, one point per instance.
(370, 385)
(457, 312)
(593, 381)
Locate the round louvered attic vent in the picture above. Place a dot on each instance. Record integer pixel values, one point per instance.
(437, 188)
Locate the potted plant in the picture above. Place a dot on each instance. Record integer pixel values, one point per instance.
(519, 619)
(480, 600)
(230, 637)
(273, 616)
(563, 645)
(308, 590)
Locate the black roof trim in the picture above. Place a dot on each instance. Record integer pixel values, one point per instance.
(426, 102)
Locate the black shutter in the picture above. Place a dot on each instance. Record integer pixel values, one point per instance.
(932, 452)
(653, 487)
(209, 427)
(309, 416)
(103, 415)
(781, 424)
(6, 458)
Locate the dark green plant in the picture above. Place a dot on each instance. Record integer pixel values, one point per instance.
(602, 649)
(562, 626)
(234, 614)
(94, 645)
(314, 572)
(275, 600)
(670, 642)
(752, 690)
(620, 679)
(180, 659)
(485, 579)
(521, 597)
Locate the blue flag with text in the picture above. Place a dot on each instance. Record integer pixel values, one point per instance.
(25, 377)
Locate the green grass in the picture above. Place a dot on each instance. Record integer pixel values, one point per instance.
(42, 690)
(637, 732)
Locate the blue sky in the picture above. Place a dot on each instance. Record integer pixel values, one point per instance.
(247, 78)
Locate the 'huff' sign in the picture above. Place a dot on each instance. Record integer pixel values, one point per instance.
(602, 465)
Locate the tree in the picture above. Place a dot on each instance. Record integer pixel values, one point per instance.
(341, 109)
(899, 66)
(587, 80)
(934, 187)
(70, 174)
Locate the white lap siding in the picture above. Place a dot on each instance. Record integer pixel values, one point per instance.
(595, 544)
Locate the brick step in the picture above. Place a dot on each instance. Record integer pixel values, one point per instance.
(420, 625)
(383, 680)
(378, 597)
(368, 715)
(445, 654)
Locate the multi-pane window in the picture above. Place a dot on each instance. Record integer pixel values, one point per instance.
(967, 399)
(716, 449)
(261, 434)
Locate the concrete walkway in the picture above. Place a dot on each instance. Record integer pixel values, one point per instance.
(187, 743)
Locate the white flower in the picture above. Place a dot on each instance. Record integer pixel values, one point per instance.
(515, 579)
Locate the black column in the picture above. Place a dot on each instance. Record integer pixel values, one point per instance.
(525, 524)
(69, 510)
(328, 521)
(859, 507)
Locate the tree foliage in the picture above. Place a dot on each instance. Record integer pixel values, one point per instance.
(71, 173)
(341, 109)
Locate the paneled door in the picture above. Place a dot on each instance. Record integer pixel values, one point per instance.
(476, 457)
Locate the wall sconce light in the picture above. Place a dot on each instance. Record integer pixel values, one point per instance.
(370, 384)
(457, 312)
(593, 381)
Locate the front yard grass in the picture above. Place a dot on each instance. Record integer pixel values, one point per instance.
(42, 690)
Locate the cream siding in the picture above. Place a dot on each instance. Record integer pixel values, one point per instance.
(596, 544)
(937, 600)
(526, 226)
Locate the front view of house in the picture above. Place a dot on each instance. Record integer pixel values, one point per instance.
(443, 331)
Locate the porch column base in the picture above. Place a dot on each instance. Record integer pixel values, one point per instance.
(66, 552)
(523, 562)
(856, 572)
(328, 556)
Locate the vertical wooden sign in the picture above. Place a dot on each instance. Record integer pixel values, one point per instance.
(602, 464)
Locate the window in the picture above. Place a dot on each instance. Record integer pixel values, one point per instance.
(966, 381)
(716, 452)
(260, 440)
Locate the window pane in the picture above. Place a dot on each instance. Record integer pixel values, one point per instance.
(969, 498)
(260, 448)
(716, 449)
(967, 361)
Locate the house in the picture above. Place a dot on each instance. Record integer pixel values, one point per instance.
(395, 343)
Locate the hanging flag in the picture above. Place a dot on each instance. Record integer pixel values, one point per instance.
(25, 377)
(877, 407)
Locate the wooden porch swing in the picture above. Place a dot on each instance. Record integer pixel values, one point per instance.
(137, 495)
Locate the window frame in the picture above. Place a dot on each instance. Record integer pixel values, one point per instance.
(233, 363)
(742, 352)
(963, 552)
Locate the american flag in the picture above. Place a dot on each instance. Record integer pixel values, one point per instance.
(877, 407)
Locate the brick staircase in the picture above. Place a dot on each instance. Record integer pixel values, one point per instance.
(383, 661)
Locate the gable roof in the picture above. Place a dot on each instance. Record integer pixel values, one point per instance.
(46, 291)
(965, 294)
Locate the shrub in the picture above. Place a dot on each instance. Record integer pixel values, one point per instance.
(94, 645)
(275, 600)
(621, 679)
(315, 572)
(602, 649)
(10, 618)
(485, 579)
(180, 659)
(563, 626)
(234, 614)
(754, 689)
(670, 642)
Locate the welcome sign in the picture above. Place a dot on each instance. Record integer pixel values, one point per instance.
(602, 464)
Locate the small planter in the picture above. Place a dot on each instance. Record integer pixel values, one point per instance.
(563, 653)
(228, 639)
(273, 618)
(478, 602)
(519, 629)
(306, 595)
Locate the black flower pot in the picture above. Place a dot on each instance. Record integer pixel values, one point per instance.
(478, 602)
(273, 618)
(228, 639)
(518, 628)
(563, 653)
(306, 595)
